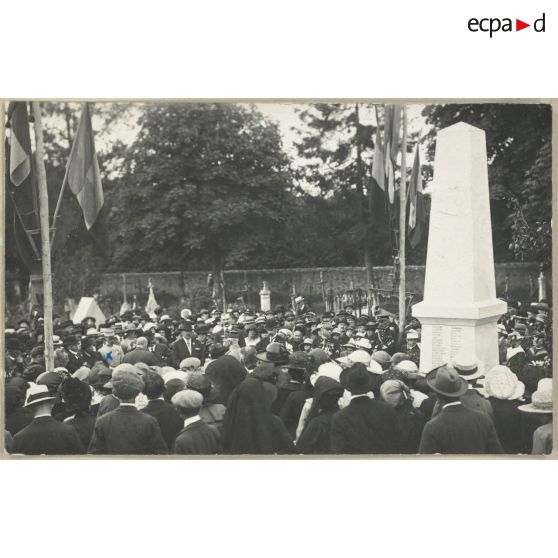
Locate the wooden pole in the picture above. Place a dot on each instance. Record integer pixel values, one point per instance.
(45, 235)
(402, 228)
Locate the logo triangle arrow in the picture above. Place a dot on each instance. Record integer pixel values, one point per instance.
(519, 25)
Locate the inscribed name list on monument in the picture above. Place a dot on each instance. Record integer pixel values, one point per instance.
(460, 309)
(438, 352)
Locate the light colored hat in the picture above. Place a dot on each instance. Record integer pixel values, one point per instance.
(81, 373)
(299, 299)
(217, 329)
(92, 331)
(360, 355)
(37, 394)
(363, 343)
(393, 390)
(190, 363)
(500, 382)
(409, 368)
(307, 341)
(375, 367)
(165, 317)
(329, 370)
(286, 333)
(541, 400)
(187, 399)
(186, 313)
(175, 375)
(56, 341)
(467, 365)
(148, 326)
(412, 334)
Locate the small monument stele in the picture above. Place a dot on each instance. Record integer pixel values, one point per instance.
(460, 309)
(265, 298)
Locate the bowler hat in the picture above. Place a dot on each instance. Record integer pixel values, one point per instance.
(445, 380)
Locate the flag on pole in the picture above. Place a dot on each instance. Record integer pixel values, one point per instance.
(151, 302)
(417, 215)
(20, 143)
(378, 185)
(83, 170)
(392, 127)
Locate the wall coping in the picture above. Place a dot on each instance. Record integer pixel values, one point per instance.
(296, 269)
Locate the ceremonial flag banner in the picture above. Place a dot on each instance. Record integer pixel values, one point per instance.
(83, 170)
(417, 216)
(378, 187)
(20, 143)
(392, 125)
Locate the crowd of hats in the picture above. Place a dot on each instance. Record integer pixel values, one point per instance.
(360, 354)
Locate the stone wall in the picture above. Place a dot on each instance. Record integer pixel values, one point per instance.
(178, 288)
(189, 289)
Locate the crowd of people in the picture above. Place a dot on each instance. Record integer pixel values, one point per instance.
(279, 382)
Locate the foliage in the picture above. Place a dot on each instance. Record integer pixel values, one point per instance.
(518, 141)
(208, 184)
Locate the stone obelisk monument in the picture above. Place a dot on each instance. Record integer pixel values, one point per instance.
(460, 308)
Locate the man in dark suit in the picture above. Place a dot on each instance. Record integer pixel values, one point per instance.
(457, 429)
(75, 356)
(197, 437)
(140, 354)
(127, 431)
(166, 415)
(365, 426)
(186, 346)
(45, 436)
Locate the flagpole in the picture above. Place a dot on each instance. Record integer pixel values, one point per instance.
(402, 228)
(45, 236)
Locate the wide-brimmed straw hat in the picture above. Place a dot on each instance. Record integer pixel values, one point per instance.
(467, 365)
(541, 400)
(37, 394)
(445, 380)
(501, 383)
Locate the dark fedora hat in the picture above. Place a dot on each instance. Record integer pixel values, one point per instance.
(357, 379)
(275, 353)
(445, 380)
(184, 326)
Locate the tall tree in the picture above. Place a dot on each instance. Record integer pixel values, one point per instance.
(205, 186)
(337, 144)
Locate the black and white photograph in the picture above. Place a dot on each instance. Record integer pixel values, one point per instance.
(277, 278)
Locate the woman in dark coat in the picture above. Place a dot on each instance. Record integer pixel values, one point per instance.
(315, 438)
(249, 427)
(225, 374)
(505, 394)
(398, 395)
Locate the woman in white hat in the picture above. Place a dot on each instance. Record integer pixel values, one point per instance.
(505, 394)
(541, 405)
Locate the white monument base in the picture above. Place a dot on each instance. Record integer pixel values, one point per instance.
(447, 330)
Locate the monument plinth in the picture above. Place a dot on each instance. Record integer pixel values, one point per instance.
(460, 308)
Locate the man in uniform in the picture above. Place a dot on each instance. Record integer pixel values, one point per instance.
(386, 334)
